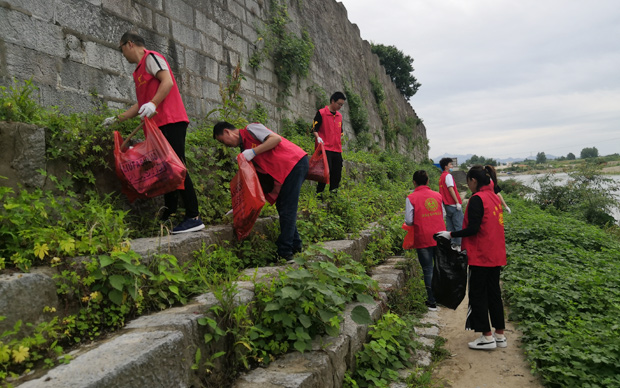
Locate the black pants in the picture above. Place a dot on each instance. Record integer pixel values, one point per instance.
(485, 299)
(175, 134)
(334, 161)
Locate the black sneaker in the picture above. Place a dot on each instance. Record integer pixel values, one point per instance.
(431, 306)
(189, 225)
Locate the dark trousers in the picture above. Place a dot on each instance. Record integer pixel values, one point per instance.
(425, 257)
(485, 299)
(175, 134)
(334, 161)
(286, 204)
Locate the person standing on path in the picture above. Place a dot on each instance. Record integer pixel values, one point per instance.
(327, 129)
(484, 239)
(281, 159)
(423, 210)
(451, 200)
(157, 92)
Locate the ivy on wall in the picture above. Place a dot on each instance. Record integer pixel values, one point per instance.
(290, 54)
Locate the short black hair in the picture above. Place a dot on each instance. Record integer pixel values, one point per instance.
(444, 162)
(420, 177)
(132, 36)
(337, 96)
(218, 129)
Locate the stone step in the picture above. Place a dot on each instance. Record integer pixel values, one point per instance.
(158, 350)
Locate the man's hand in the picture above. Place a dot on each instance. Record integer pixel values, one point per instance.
(445, 234)
(147, 110)
(459, 207)
(109, 121)
(249, 154)
(318, 139)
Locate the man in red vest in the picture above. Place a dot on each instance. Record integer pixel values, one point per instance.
(281, 159)
(327, 129)
(156, 90)
(451, 200)
(423, 210)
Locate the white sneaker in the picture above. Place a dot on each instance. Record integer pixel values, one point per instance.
(484, 343)
(500, 340)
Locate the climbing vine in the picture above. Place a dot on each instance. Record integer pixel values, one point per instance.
(290, 54)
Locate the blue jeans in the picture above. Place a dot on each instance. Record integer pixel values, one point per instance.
(286, 204)
(425, 257)
(454, 221)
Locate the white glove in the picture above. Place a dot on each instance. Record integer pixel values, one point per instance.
(147, 110)
(228, 213)
(109, 121)
(459, 207)
(444, 234)
(508, 210)
(249, 154)
(318, 139)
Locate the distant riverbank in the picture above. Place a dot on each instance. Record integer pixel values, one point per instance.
(530, 180)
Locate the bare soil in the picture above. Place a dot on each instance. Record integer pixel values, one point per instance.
(467, 368)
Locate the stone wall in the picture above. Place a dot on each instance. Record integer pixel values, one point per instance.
(70, 50)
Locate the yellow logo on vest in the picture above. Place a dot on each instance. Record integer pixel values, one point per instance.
(431, 204)
(141, 82)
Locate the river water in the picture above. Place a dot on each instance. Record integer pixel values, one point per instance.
(530, 180)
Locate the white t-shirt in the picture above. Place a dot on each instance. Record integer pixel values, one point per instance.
(154, 64)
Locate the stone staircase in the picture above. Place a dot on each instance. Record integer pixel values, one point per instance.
(158, 350)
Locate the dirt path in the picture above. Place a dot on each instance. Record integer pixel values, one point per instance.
(467, 368)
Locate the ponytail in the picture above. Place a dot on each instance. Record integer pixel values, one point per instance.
(480, 174)
(491, 171)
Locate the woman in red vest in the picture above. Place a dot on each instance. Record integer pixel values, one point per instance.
(423, 210)
(483, 238)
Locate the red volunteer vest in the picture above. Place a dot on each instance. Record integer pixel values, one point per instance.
(171, 109)
(331, 130)
(278, 161)
(445, 193)
(427, 216)
(487, 248)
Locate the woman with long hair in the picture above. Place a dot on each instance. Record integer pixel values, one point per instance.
(483, 238)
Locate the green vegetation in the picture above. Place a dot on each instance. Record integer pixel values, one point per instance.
(399, 67)
(290, 54)
(587, 195)
(110, 284)
(561, 286)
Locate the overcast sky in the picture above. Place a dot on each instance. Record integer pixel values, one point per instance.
(507, 78)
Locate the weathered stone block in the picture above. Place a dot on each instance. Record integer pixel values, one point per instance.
(29, 32)
(158, 359)
(24, 295)
(22, 153)
(186, 35)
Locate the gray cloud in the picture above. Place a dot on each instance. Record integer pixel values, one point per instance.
(503, 78)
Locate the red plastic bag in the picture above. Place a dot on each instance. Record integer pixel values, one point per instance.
(408, 241)
(247, 198)
(150, 168)
(319, 169)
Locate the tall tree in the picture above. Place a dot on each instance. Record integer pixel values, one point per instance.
(541, 158)
(399, 67)
(570, 156)
(589, 152)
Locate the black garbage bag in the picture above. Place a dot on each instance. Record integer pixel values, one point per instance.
(449, 274)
